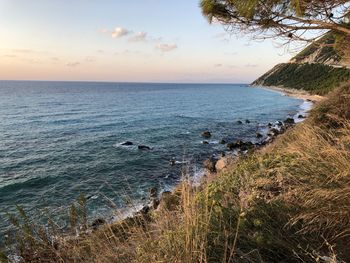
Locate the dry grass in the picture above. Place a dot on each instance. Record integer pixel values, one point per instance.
(289, 202)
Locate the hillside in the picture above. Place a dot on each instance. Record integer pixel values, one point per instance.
(319, 68)
(315, 78)
(329, 50)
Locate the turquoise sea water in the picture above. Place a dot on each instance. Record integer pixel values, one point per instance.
(60, 139)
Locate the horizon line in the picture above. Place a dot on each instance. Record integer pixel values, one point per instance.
(129, 82)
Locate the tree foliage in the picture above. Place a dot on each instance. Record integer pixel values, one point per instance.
(291, 19)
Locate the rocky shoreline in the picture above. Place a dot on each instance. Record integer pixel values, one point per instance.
(216, 163)
(213, 165)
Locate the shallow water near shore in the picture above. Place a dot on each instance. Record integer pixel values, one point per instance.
(60, 139)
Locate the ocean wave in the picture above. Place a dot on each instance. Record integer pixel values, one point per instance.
(304, 110)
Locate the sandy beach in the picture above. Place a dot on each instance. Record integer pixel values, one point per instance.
(300, 94)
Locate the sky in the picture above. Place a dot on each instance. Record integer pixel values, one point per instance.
(126, 41)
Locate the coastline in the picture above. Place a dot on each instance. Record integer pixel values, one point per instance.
(218, 164)
(223, 162)
(294, 93)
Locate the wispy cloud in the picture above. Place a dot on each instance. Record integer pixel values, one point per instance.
(8, 56)
(251, 65)
(138, 37)
(28, 51)
(72, 64)
(119, 32)
(90, 59)
(231, 53)
(166, 47)
(31, 60)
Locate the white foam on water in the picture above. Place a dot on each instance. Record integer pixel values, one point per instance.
(304, 110)
(197, 175)
(126, 212)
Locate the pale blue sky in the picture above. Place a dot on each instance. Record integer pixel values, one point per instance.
(134, 40)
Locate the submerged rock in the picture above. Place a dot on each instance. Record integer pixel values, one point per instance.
(205, 142)
(143, 147)
(127, 143)
(206, 134)
(172, 162)
(222, 141)
(239, 122)
(247, 121)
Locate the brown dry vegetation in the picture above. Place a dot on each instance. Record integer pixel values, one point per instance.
(289, 202)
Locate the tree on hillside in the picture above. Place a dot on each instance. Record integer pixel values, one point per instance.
(290, 19)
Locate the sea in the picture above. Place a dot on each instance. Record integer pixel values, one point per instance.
(60, 140)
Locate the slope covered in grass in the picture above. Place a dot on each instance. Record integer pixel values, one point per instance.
(288, 202)
(315, 78)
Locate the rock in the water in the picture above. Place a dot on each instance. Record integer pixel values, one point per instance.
(222, 141)
(269, 125)
(153, 192)
(289, 121)
(205, 142)
(239, 122)
(301, 116)
(172, 162)
(144, 147)
(145, 209)
(259, 135)
(235, 145)
(127, 143)
(206, 134)
(247, 121)
(241, 145)
(273, 132)
(209, 164)
(97, 223)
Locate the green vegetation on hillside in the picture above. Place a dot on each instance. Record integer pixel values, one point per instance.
(315, 78)
(288, 202)
(326, 48)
